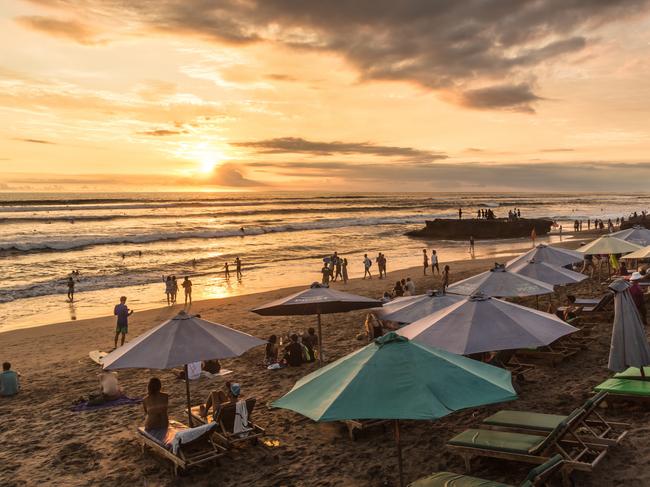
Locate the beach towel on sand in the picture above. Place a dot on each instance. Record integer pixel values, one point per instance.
(241, 418)
(190, 434)
(120, 401)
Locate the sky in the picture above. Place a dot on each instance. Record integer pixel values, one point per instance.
(365, 95)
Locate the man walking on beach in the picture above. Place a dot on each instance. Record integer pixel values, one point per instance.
(122, 312)
(70, 289)
(187, 286)
(366, 265)
(238, 267)
(434, 262)
(460, 213)
(471, 244)
(425, 261)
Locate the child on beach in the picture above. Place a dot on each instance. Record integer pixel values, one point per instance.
(9, 385)
(445, 279)
(122, 312)
(187, 286)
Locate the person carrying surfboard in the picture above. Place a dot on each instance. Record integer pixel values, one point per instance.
(122, 312)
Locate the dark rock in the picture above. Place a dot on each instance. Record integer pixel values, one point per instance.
(449, 229)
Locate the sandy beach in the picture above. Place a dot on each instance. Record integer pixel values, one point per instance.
(44, 443)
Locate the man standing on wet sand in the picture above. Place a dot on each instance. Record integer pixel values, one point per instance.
(460, 213)
(471, 244)
(238, 267)
(70, 289)
(122, 312)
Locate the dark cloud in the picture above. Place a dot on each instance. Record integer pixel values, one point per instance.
(69, 29)
(559, 149)
(297, 145)
(36, 141)
(540, 176)
(162, 132)
(281, 77)
(511, 97)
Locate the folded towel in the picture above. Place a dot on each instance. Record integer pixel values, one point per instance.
(189, 435)
(240, 425)
(194, 370)
(120, 401)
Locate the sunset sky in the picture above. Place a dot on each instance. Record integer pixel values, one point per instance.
(424, 95)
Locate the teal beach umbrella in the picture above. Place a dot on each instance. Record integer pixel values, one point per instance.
(395, 378)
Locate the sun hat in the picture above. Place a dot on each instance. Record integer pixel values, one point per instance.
(636, 276)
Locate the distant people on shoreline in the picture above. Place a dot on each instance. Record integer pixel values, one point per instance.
(187, 286)
(381, 265)
(325, 272)
(226, 271)
(168, 289)
(366, 266)
(445, 279)
(344, 270)
(238, 267)
(471, 244)
(70, 289)
(425, 261)
(122, 312)
(434, 262)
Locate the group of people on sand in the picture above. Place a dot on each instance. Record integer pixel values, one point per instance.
(296, 350)
(171, 289)
(226, 269)
(334, 268)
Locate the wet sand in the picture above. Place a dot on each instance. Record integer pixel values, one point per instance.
(44, 443)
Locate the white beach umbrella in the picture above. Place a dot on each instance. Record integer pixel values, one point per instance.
(179, 341)
(607, 244)
(637, 234)
(408, 309)
(643, 253)
(481, 324)
(502, 283)
(550, 274)
(629, 345)
(549, 255)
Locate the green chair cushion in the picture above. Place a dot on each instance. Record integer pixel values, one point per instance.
(625, 387)
(497, 441)
(525, 420)
(448, 479)
(632, 373)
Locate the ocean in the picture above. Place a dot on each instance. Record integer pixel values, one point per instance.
(122, 244)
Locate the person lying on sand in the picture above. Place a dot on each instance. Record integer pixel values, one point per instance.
(9, 385)
(109, 389)
(155, 408)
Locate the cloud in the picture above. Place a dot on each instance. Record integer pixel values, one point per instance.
(36, 141)
(482, 51)
(559, 149)
(232, 176)
(70, 29)
(162, 132)
(517, 98)
(297, 145)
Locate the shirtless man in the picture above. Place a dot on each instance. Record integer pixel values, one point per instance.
(155, 408)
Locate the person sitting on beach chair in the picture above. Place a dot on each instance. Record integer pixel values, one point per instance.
(109, 389)
(217, 399)
(571, 310)
(373, 327)
(9, 385)
(155, 408)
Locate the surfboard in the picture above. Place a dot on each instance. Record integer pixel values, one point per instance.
(97, 356)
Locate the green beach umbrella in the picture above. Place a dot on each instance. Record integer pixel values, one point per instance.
(395, 378)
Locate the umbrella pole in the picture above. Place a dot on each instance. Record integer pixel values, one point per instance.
(320, 342)
(399, 454)
(537, 301)
(187, 391)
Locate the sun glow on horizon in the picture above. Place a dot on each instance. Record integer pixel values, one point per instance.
(205, 155)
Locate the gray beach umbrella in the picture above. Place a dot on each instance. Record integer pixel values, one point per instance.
(637, 234)
(629, 346)
(316, 300)
(481, 324)
(549, 255)
(408, 309)
(179, 341)
(502, 283)
(550, 274)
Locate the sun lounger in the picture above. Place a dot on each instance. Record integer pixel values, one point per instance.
(530, 448)
(590, 425)
(226, 422)
(632, 390)
(593, 305)
(194, 452)
(356, 425)
(552, 354)
(535, 478)
(507, 359)
(634, 373)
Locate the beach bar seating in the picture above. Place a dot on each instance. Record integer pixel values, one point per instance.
(183, 454)
(591, 425)
(537, 477)
(531, 448)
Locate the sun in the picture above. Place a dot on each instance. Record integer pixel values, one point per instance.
(209, 159)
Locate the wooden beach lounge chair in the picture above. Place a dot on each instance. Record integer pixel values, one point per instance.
(197, 451)
(537, 477)
(551, 354)
(226, 422)
(507, 359)
(531, 448)
(591, 426)
(356, 425)
(593, 305)
(627, 390)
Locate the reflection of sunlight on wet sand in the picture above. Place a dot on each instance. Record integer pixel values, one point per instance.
(217, 287)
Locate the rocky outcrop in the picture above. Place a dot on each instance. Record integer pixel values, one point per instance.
(640, 221)
(482, 229)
